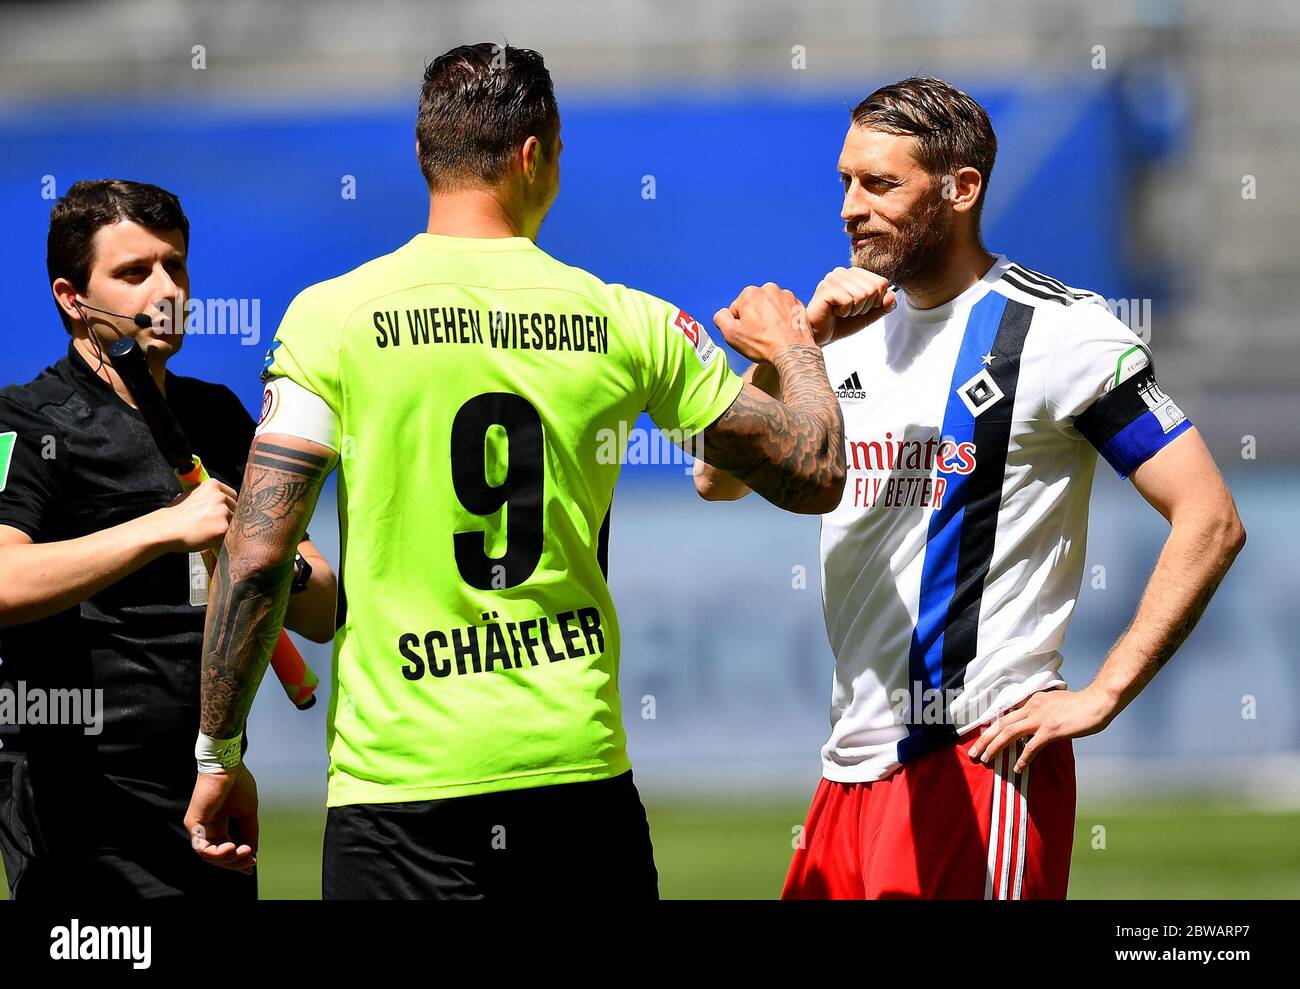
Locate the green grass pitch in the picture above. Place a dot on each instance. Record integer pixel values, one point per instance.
(1184, 850)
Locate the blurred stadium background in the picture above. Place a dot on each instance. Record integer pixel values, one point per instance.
(1147, 153)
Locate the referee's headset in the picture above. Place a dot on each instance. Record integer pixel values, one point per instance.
(141, 320)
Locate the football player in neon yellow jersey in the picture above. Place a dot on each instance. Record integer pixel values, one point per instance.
(464, 387)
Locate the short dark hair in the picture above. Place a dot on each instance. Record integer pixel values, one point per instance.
(952, 130)
(91, 204)
(479, 103)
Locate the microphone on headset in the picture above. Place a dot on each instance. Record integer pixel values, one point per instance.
(142, 320)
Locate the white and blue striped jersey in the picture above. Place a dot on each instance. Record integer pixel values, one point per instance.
(952, 565)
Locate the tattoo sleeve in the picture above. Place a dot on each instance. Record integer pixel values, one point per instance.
(250, 586)
(791, 451)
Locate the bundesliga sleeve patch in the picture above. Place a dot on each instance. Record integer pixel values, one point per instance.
(704, 347)
(268, 361)
(1133, 421)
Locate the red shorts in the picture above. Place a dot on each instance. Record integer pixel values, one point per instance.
(924, 832)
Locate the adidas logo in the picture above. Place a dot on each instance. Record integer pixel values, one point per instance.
(851, 388)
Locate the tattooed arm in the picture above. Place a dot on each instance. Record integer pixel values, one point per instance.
(713, 484)
(846, 301)
(1205, 535)
(791, 451)
(246, 607)
(250, 588)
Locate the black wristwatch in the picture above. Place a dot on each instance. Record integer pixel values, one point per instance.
(301, 574)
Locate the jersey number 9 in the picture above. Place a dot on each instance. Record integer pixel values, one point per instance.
(520, 490)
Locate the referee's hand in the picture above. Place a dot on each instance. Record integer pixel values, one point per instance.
(197, 519)
(222, 819)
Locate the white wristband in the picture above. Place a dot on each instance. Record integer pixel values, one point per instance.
(215, 755)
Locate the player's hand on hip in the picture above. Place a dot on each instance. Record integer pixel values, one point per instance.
(197, 519)
(222, 819)
(1044, 716)
(846, 300)
(762, 321)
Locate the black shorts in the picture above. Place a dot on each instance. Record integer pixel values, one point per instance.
(569, 840)
(96, 839)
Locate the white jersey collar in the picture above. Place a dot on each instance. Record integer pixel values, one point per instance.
(964, 301)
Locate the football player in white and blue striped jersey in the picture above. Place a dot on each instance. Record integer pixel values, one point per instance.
(975, 406)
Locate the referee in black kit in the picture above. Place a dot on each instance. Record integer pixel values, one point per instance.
(101, 606)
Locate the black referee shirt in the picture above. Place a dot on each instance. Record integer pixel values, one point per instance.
(82, 460)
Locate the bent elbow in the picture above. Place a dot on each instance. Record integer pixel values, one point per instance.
(716, 485)
(1236, 534)
(829, 501)
(833, 493)
(14, 611)
(714, 492)
(834, 473)
(1224, 531)
(705, 489)
(1229, 529)
(707, 482)
(829, 492)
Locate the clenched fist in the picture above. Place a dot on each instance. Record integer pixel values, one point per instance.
(762, 321)
(846, 300)
(197, 519)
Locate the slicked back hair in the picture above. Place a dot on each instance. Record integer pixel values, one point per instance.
(952, 130)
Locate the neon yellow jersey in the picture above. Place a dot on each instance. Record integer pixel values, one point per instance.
(484, 392)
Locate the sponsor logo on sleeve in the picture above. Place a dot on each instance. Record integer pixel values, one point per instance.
(1130, 362)
(704, 347)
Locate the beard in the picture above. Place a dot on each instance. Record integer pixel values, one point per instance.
(914, 251)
